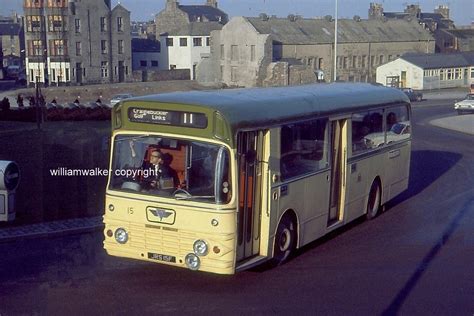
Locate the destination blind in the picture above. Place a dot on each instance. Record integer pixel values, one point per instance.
(166, 117)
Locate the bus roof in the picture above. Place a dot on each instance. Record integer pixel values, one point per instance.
(259, 107)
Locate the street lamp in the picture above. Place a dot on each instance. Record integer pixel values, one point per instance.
(335, 44)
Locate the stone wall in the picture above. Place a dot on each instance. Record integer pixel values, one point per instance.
(160, 75)
(73, 145)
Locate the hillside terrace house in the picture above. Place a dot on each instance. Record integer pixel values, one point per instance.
(456, 40)
(429, 71)
(184, 33)
(145, 54)
(77, 42)
(294, 50)
(438, 22)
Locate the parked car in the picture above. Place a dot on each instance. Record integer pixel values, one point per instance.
(466, 105)
(119, 97)
(398, 131)
(412, 94)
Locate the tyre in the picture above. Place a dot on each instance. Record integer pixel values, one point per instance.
(373, 202)
(285, 241)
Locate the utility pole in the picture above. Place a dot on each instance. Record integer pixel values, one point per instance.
(335, 44)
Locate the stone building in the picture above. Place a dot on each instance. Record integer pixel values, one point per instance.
(293, 50)
(77, 42)
(11, 46)
(437, 22)
(455, 40)
(184, 33)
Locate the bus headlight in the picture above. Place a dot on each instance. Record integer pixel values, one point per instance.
(121, 236)
(200, 247)
(192, 261)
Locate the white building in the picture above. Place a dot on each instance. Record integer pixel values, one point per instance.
(184, 49)
(428, 71)
(184, 33)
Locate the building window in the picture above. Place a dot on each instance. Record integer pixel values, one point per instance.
(197, 41)
(103, 46)
(33, 23)
(344, 63)
(143, 63)
(169, 42)
(78, 49)
(57, 3)
(56, 23)
(34, 3)
(183, 42)
(119, 24)
(103, 24)
(222, 51)
(234, 52)
(120, 47)
(372, 61)
(35, 48)
(233, 74)
(252, 52)
(57, 47)
(381, 61)
(77, 25)
(222, 72)
(104, 69)
(472, 73)
(208, 41)
(390, 57)
(154, 63)
(364, 61)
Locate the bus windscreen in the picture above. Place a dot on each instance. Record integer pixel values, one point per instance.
(173, 168)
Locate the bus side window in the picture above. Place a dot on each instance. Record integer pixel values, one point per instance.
(303, 148)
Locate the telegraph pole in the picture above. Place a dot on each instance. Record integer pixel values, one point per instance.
(335, 44)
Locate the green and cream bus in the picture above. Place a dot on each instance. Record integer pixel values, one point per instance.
(252, 174)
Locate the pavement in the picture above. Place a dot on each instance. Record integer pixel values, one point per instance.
(52, 229)
(460, 123)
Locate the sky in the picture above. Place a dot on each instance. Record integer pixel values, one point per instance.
(461, 11)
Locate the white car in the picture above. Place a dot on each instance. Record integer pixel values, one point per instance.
(119, 97)
(398, 131)
(466, 105)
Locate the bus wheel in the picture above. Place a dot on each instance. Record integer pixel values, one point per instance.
(373, 203)
(285, 241)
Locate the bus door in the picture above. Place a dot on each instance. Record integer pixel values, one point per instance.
(338, 170)
(250, 152)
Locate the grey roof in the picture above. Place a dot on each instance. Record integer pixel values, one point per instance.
(145, 45)
(425, 17)
(9, 29)
(437, 61)
(319, 31)
(209, 12)
(462, 33)
(257, 107)
(195, 29)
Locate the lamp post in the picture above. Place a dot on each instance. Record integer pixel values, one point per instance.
(335, 44)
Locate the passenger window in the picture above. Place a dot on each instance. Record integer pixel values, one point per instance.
(398, 124)
(367, 131)
(303, 148)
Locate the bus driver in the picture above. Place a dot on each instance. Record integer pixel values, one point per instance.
(160, 175)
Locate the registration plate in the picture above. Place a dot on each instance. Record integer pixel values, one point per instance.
(160, 257)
